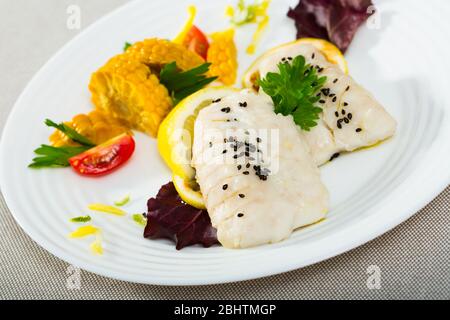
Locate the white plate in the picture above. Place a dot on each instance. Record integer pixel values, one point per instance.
(403, 63)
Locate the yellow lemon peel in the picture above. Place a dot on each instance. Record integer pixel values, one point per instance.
(250, 13)
(96, 246)
(84, 231)
(106, 209)
(192, 10)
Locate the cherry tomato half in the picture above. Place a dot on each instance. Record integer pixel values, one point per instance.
(197, 41)
(105, 158)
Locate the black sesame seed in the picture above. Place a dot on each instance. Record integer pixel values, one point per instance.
(313, 56)
(225, 187)
(235, 156)
(339, 125)
(258, 140)
(246, 173)
(226, 110)
(241, 195)
(217, 100)
(334, 156)
(350, 116)
(334, 99)
(343, 112)
(336, 114)
(332, 95)
(210, 144)
(224, 151)
(325, 91)
(320, 69)
(346, 120)
(289, 58)
(240, 215)
(239, 167)
(345, 104)
(243, 104)
(358, 130)
(335, 80)
(247, 154)
(348, 88)
(247, 165)
(322, 101)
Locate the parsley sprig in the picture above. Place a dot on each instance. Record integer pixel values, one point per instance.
(126, 46)
(294, 89)
(50, 156)
(71, 133)
(182, 84)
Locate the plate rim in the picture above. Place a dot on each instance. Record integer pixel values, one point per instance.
(358, 239)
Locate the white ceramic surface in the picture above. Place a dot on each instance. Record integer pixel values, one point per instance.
(403, 61)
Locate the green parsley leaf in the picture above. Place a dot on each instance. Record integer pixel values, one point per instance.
(49, 156)
(294, 89)
(140, 219)
(123, 201)
(182, 84)
(81, 219)
(71, 133)
(126, 46)
(248, 13)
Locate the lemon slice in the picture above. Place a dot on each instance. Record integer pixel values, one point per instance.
(175, 137)
(176, 133)
(189, 192)
(329, 50)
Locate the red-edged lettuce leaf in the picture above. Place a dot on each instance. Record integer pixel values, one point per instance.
(170, 218)
(334, 20)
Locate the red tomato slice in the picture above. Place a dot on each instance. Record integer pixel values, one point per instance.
(105, 158)
(197, 41)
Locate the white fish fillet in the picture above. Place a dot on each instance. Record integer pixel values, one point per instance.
(248, 209)
(362, 119)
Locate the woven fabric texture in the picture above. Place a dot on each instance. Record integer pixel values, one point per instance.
(413, 259)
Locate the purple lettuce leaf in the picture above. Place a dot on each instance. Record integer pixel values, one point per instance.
(170, 218)
(334, 20)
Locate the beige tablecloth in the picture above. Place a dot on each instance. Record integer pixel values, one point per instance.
(413, 260)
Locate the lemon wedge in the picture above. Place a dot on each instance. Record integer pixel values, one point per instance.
(189, 191)
(175, 137)
(329, 50)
